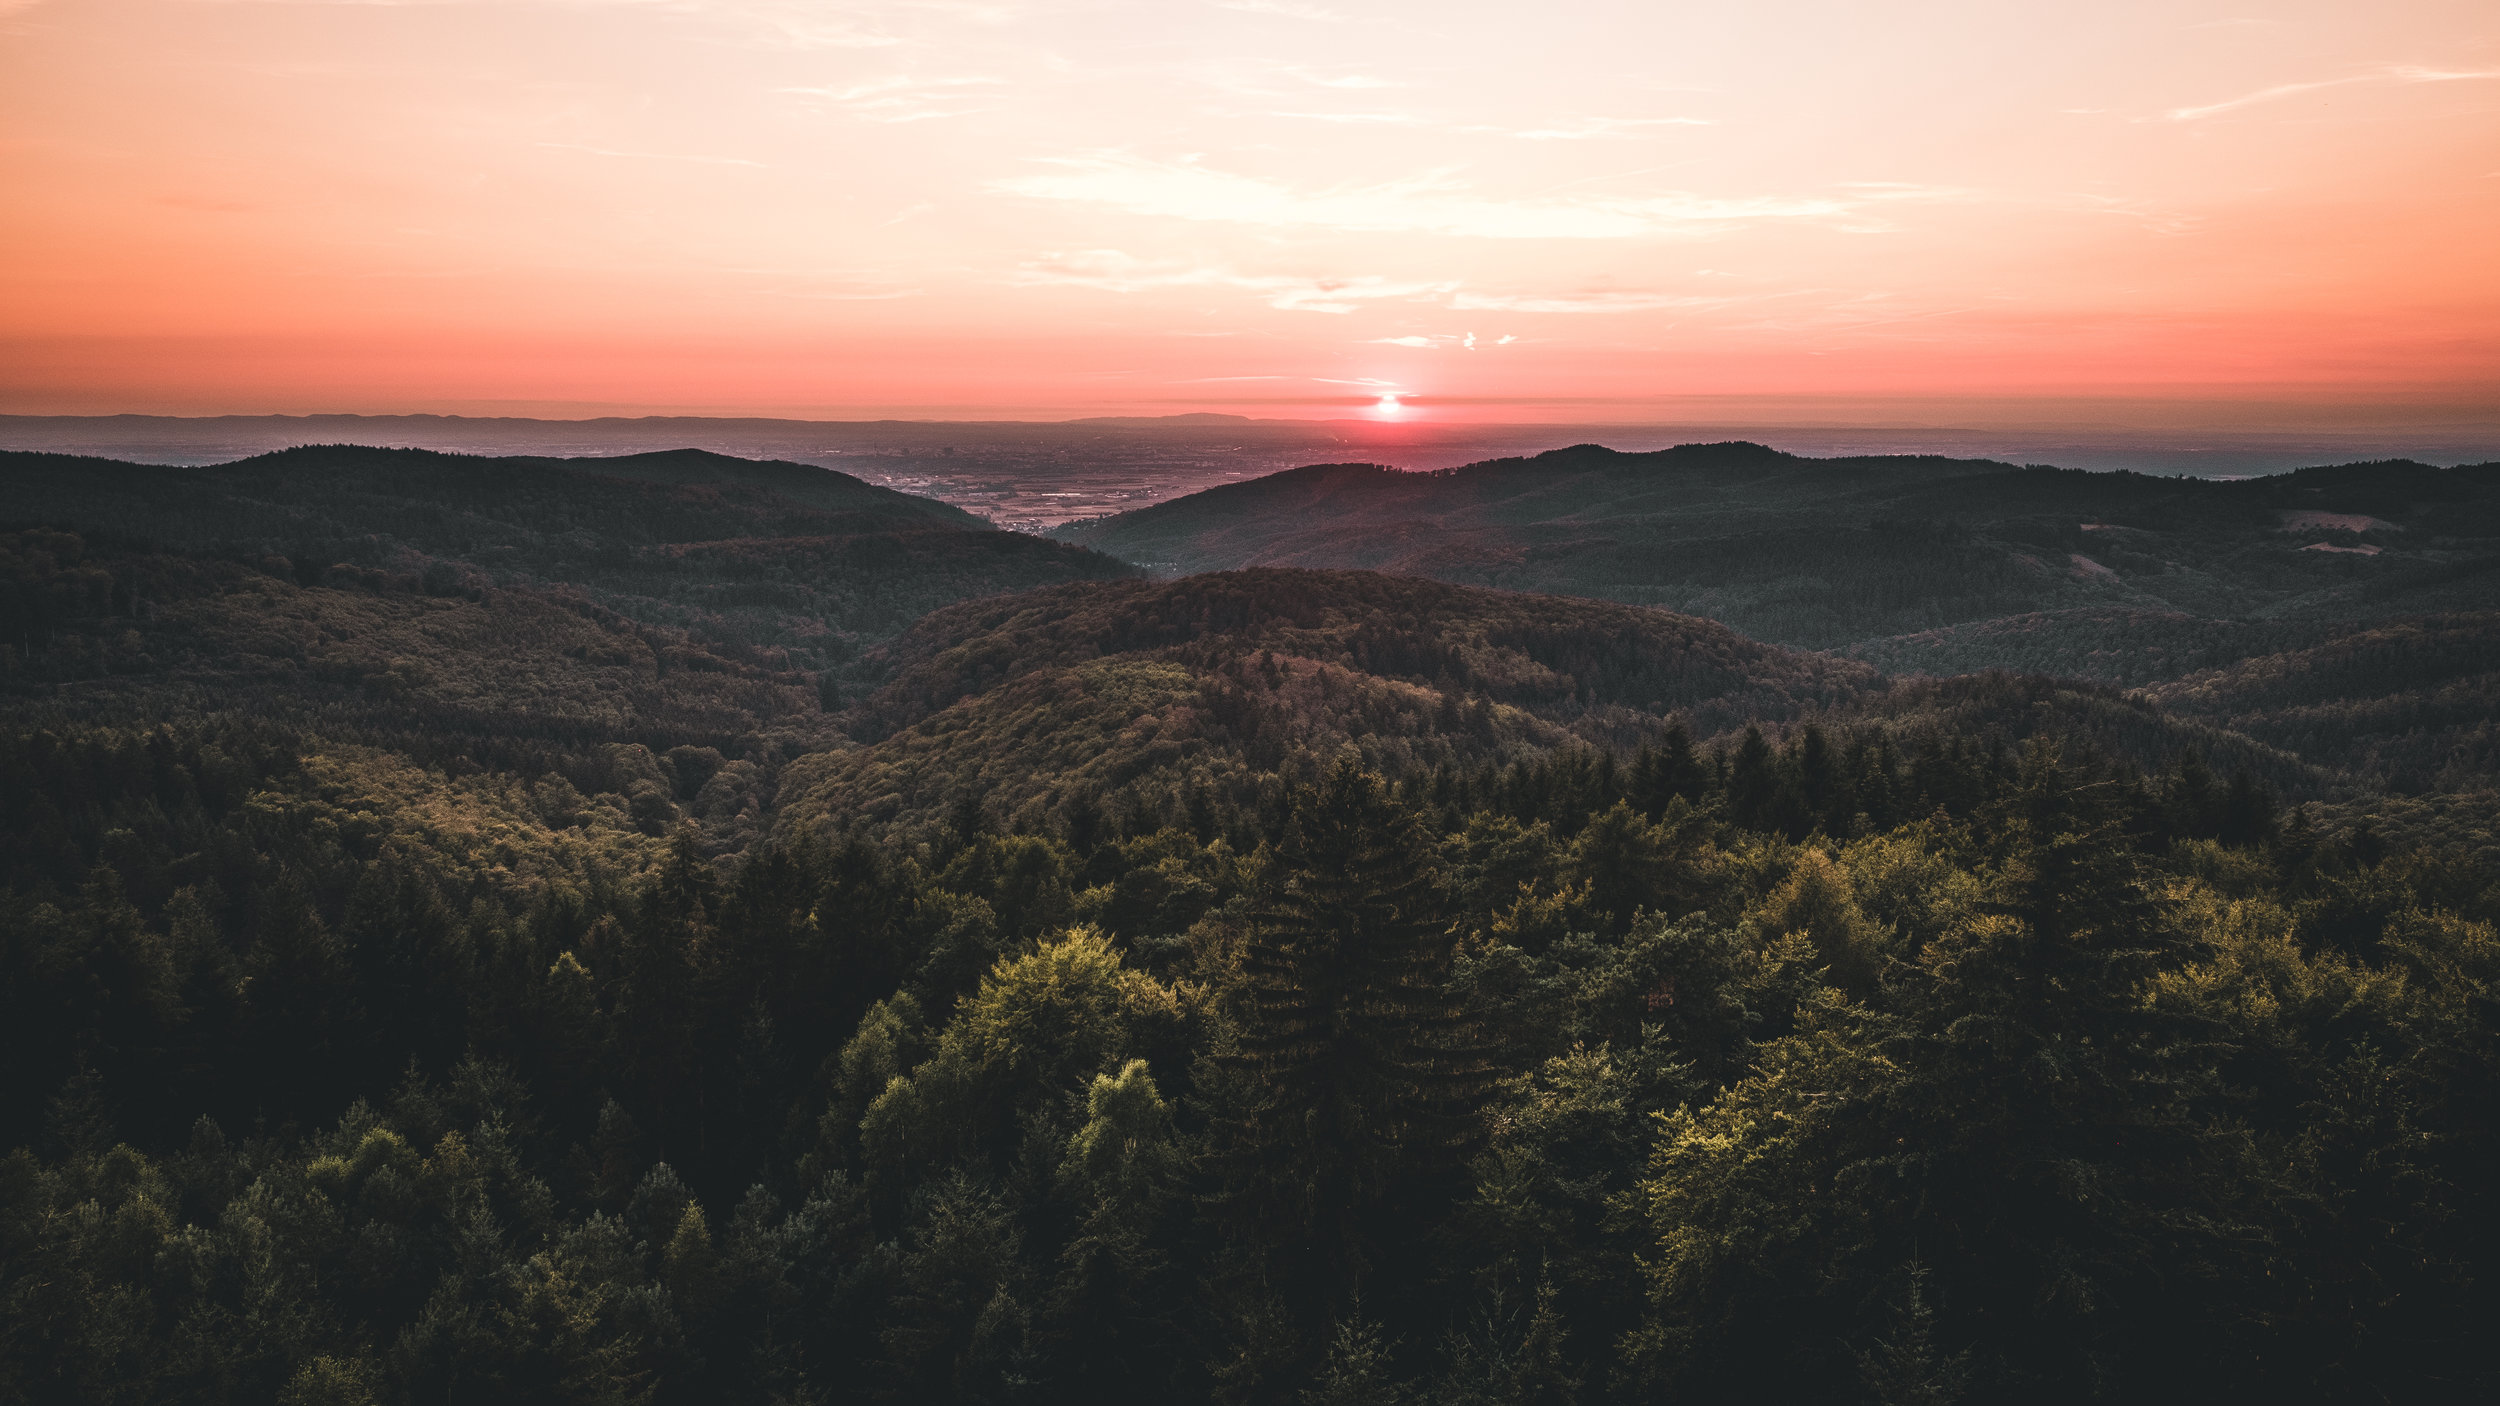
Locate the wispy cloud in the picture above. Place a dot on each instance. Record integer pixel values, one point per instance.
(1430, 204)
(1589, 129)
(1114, 271)
(652, 155)
(1603, 300)
(902, 98)
(2153, 217)
(793, 24)
(1372, 119)
(869, 293)
(1461, 341)
(1342, 80)
(1289, 9)
(2387, 74)
(206, 204)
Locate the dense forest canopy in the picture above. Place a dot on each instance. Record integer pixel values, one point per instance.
(1915, 563)
(806, 563)
(538, 980)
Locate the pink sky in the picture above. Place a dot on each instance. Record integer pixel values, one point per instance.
(1280, 207)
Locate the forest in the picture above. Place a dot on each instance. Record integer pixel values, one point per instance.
(531, 980)
(1915, 562)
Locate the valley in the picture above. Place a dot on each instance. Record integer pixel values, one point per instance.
(1582, 928)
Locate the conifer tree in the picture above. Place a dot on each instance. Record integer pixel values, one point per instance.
(1753, 782)
(1350, 1069)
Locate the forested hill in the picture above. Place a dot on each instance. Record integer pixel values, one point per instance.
(1137, 703)
(789, 557)
(681, 933)
(1161, 698)
(1545, 653)
(1826, 553)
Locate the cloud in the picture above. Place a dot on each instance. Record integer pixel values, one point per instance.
(653, 155)
(1380, 119)
(2153, 217)
(1117, 271)
(843, 296)
(1113, 271)
(1464, 341)
(206, 204)
(1288, 9)
(1342, 80)
(1431, 204)
(1589, 129)
(901, 98)
(2392, 73)
(1605, 300)
(791, 24)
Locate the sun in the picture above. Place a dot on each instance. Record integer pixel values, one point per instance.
(1389, 407)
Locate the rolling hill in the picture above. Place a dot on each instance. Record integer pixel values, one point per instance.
(1861, 552)
(681, 931)
(1136, 697)
(803, 560)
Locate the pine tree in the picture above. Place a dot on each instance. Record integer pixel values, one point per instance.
(1350, 1069)
(2054, 1112)
(1753, 782)
(1906, 1368)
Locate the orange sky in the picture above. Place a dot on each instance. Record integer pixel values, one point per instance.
(1589, 211)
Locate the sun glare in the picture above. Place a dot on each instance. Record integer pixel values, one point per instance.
(1388, 408)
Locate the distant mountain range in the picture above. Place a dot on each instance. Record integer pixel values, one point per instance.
(1918, 563)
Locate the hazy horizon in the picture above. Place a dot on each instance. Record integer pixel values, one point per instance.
(1036, 475)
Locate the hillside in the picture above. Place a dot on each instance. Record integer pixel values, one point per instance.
(1134, 695)
(458, 941)
(2412, 703)
(786, 556)
(1833, 553)
(1154, 699)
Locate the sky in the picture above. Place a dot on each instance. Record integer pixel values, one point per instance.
(1593, 212)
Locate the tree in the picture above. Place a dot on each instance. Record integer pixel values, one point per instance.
(2014, 1115)
(1754, 783)
(1349, 1069)
(1112, 1312)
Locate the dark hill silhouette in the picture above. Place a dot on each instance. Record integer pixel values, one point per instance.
(1826, 553)
(804, 560)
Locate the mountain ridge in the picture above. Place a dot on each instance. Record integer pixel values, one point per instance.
(1846, 553)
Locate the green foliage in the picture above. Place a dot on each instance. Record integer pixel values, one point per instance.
(1281, 987)
(772, 563)
(1347, 1071)
(1926, 564)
